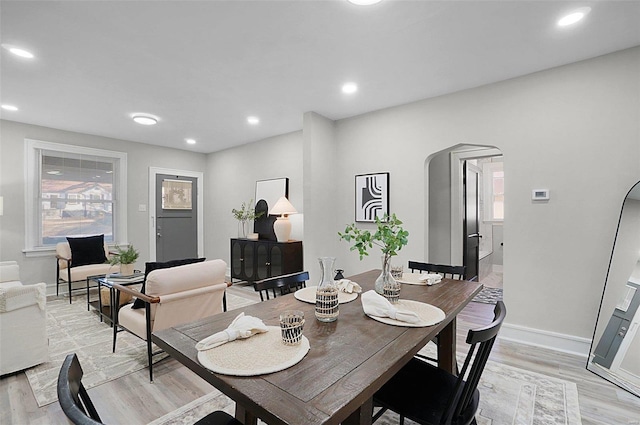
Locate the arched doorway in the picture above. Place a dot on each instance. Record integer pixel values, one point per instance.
(449, 202)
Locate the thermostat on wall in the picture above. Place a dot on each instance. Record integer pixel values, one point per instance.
(540, 194)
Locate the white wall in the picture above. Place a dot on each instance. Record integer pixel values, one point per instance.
(140, 158)
(573, 129)
(231, 179)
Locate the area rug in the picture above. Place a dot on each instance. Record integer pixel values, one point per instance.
(488, 296)
(508, 395)
(73, 329)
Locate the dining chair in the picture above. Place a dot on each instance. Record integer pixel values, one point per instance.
(451, 272)
(284, 283)
(79, 408)
(429, 395)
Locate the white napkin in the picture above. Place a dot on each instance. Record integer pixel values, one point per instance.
(241, 327)
(348, 286)
(375, 304)
(430, 278)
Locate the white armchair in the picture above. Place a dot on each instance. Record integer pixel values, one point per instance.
(67, 273)
(23, 321)
(172, 297)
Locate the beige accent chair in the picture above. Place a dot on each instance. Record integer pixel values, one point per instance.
(66, 274)
(172, 297)
(23, 321)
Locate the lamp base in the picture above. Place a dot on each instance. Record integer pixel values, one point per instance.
(282, 229)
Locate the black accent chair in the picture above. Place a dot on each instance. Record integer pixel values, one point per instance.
(451, 272)
(79, 408)
(429, 395)
(284, 283)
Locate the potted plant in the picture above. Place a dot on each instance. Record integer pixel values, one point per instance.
(126, 257)
(245, 214)
(389, 236)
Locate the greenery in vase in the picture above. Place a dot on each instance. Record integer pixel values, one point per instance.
(127, 255)
(389, 236)
(246, 212)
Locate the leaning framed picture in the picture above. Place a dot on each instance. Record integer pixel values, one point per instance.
(372, 196)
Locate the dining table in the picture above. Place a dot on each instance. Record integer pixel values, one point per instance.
(348, 360)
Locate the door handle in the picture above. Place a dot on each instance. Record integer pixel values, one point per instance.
(158, 235)
(474, 235)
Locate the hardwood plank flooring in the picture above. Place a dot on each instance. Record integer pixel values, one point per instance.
(132, 399)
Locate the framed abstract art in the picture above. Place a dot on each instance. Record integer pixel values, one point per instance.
(372, 196)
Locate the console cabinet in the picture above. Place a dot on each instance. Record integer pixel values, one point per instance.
(253, 260)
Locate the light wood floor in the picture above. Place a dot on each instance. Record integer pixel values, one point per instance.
(134, 400)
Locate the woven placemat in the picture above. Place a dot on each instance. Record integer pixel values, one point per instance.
(308, 295)
(412, 279)
(429, 314)
(262, 353)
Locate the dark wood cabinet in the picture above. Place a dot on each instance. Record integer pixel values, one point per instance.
(253, 260)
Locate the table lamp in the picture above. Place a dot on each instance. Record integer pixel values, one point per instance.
(282, 226)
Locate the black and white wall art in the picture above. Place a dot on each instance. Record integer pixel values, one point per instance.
(372, 196)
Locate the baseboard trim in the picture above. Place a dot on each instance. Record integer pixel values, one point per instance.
(552, 340)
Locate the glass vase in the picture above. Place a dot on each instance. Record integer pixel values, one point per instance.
(327, 292)
(386, 282)
(243, 228)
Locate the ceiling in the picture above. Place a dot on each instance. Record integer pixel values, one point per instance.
(203, 67)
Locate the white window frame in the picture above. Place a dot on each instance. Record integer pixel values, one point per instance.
(488, 168)
(32, 183)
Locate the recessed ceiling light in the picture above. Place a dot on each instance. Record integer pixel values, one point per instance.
(9, 107)
(190, 141)
(574, 16)
(364, 2)
(19, 52)
(349, 88)
(253, 120)
(145, 119)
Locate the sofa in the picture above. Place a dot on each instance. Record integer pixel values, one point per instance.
(23, 321)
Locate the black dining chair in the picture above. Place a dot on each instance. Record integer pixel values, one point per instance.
(429, 395)
(451, 272)
(284, 283)
(79, 408)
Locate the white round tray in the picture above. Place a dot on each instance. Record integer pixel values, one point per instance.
(308, 295)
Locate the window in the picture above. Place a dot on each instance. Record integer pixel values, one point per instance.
(493, 174)
(74, 191)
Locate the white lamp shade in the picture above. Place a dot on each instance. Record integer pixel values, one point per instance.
(283, 206)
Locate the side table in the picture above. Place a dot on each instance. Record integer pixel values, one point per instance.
(107, 312)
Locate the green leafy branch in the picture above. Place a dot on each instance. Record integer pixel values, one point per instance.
(390, 237)
(246, 212)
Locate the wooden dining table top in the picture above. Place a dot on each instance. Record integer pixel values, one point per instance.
(349, 359)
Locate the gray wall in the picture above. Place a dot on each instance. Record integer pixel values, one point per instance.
(231, 179)
(139, 158)
(573, 129)
(439, 210)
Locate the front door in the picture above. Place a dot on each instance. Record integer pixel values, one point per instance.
(471, 242)
(176, 217)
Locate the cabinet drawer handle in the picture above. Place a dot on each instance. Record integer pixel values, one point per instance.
(267, 264)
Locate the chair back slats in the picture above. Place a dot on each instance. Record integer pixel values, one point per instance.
(447, 271)
(285, 283)
(72, 395)
(482, 338)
